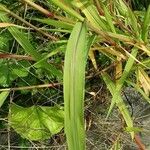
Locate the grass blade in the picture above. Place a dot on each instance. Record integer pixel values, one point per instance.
(63, 5)
(109, 19)
(138, 89)
(91, 14)
(146, 25)
(133, 22)
(116, 93)
(117, 99)
(122, 7)
(111, 87)
(55, 23)
(74, 80)
(144, 80)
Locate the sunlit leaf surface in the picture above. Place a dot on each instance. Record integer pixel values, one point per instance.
(36, 122)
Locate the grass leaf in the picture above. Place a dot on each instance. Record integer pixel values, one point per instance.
(111, 87)
(63, 5)
(91, 14)
(109, 19)
(133, 22)
(116, 93)
(146, 25)
(74, 80)
(55, 23)
(144, 80)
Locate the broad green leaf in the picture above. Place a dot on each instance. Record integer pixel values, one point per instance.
(28, 47)
(36, 122)
(3, 96)
(74, 80)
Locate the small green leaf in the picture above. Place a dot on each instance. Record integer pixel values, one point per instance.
(3, 96)
(36, 122)
(20, 69)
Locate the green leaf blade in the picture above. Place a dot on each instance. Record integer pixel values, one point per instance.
(146, 25)
(74, 80)
(66, 6)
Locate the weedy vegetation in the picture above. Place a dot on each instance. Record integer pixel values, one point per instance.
(65, 66)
